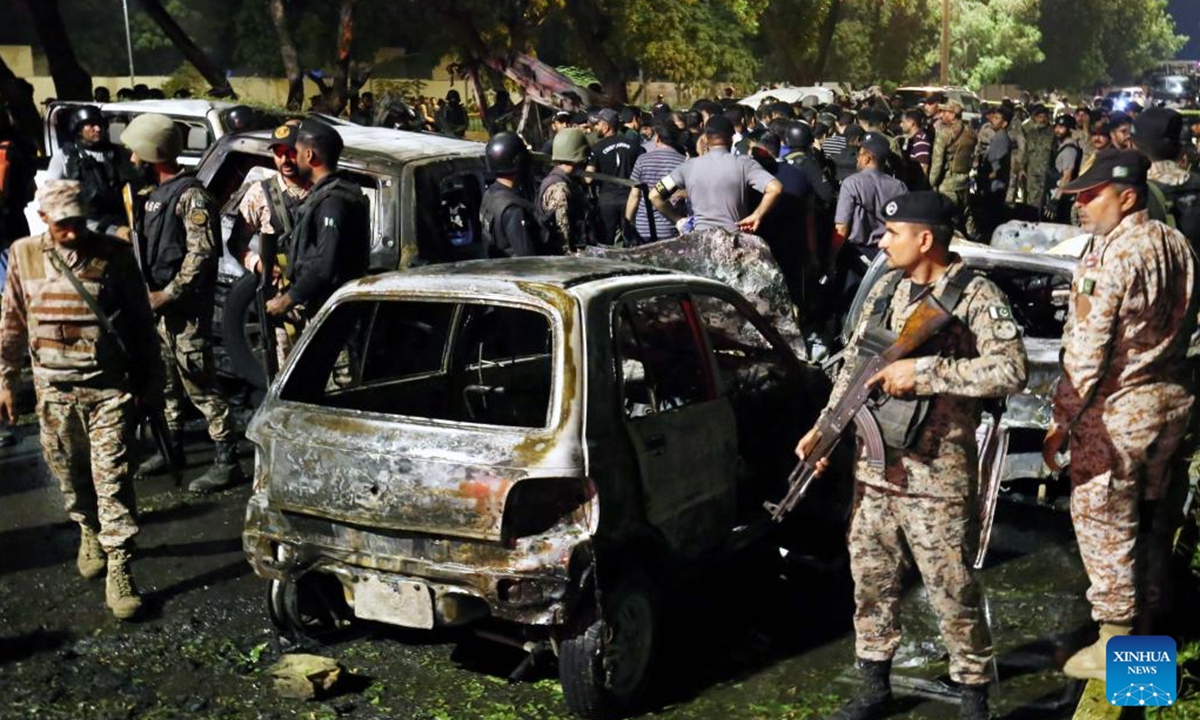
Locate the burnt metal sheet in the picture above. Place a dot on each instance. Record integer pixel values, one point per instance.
(740, 260)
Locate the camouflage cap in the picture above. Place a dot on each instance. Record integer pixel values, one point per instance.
(952, 106)
(59, 200)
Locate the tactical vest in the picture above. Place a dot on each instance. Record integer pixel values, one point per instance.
(280, 225)
(961, 150)
(100, 181)
(900, 420)
(496, 201)
(65, 337)
(577, 213)
(163, 232)
(305, 230)
(1054, 175)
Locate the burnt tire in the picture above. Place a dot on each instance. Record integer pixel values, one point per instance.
(241, 331)
(606, 670)
(307, 609)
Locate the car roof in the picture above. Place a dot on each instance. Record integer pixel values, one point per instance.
(186, 107)
(508, 276)
(391, 144)
(935, 88)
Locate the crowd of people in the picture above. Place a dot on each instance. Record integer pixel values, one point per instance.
(114, 302)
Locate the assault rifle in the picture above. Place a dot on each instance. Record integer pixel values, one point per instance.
(268, 252)
(877, 350)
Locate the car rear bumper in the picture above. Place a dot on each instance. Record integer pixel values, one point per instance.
(528, 583)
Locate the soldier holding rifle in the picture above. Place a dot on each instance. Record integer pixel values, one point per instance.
(924, 492)
(66, 290)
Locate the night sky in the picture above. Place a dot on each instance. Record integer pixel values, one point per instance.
(1187, 22)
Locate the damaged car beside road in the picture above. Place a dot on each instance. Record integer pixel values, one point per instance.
(534, 446)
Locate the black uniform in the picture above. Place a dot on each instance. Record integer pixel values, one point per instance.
(510, 226)
(613, 155)
(101, 181)
(331, 243)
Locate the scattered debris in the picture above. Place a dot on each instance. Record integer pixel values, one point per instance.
(305, 677)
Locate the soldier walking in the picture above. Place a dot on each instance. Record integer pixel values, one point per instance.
(1123, 402)
(1039, 150)
(85, 378)
(924, 496)
(177, 241)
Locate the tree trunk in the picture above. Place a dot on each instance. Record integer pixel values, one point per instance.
(190, 50)
(291, 59)
(71, 81)
(339, 91)
(827, 31)
(18, 95)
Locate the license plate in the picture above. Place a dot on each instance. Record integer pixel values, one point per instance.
(399, 602)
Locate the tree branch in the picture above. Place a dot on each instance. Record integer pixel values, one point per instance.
(190, 50)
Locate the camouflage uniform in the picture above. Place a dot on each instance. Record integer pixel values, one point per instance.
(1019, 159)
(926, 494)
(185, 321)
(1124, 396)
(953, 153)
(255, 210)
(85, 385)
(1039, 154)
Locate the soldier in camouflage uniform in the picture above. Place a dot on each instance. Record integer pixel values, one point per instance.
(562, 203)
(953, 154)
(925, 495)
(1123, 402)
(85, 382)
(179, 232)
(1019, 158)
(1039, 150)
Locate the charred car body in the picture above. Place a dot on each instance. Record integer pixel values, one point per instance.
(537, 443)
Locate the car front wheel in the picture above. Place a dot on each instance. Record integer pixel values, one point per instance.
(606, 670)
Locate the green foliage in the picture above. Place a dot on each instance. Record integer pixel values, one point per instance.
(988, 38)
(578, 75)
(187, 77)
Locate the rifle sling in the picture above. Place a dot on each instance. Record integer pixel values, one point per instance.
(106, 325)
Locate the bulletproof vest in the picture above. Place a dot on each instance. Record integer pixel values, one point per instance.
(496, 201)
(100, 181)
(900, 420)
(1178, 206)
(577, 208)
(961, 150)
(1054, 174)
(65, 337)
(163, 233)
(306, 229)
(815, 167)
(271, 188)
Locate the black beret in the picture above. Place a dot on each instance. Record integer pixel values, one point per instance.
(1156, 125)
(1038, 109)
(1118, 119)
(926, 207)
(1128, 167)
(1067, 121)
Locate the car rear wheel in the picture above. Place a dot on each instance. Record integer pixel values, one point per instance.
(606, 670)
(308, 608)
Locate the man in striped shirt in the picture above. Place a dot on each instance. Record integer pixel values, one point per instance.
(655, 164)
(917, 151)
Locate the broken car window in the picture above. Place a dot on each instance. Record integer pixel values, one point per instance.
(659, 349)
(463, 362)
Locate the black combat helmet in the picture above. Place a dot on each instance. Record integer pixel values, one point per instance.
(452, 96)
(799, 136)
(241, 118)
(85, 115)
(507, 154)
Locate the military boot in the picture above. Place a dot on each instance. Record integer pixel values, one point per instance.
(224, 472)
(974, 703)
(156, 464)
(873, 698)
(91, 560)
(1088, 663)
(120, 593)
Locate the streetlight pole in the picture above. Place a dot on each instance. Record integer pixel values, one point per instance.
(129, 43)
(945, 43)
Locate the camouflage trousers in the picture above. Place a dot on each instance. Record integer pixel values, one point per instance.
(86, 435)
(188, 359)
(1035, 188)
(1123, 506)
(936, 531)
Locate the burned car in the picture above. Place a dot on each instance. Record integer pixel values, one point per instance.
(1038, 288)
(536, 445)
